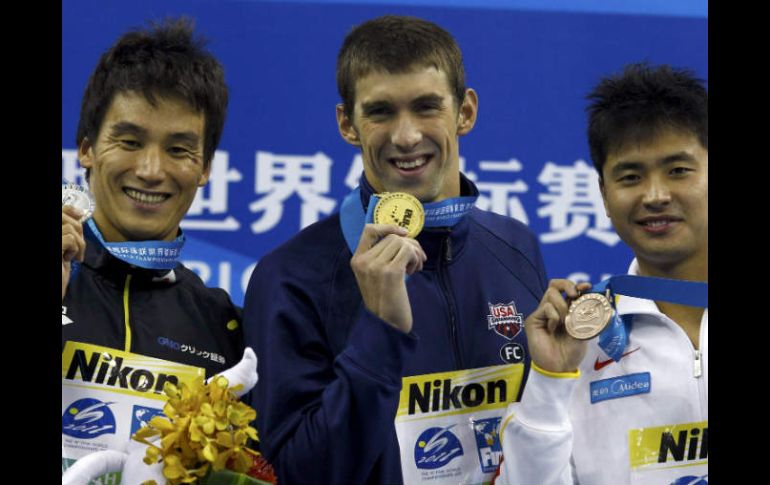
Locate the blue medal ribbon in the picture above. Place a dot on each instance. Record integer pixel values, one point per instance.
(614, 338)
(144, 254)
(445, 213)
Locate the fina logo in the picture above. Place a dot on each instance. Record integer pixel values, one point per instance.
(88, 418)
(691, 480)
(436, 447)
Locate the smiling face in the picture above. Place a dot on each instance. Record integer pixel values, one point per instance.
(656, 194)
(145, 167)
(407, 126)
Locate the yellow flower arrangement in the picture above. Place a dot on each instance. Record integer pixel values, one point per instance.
(205, 429)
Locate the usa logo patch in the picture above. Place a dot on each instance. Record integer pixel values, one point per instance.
(504, 319)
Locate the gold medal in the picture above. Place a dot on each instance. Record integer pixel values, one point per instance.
(587, 316)
(400, 209)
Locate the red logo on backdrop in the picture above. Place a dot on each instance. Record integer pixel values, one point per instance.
(505, 320)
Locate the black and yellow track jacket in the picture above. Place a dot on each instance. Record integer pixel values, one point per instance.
(164, 314)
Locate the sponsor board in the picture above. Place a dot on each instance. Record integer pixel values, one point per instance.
(448, 423)
(671, 454)
(106, 396)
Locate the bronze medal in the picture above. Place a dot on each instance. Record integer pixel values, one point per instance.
(400, 209)
(588, 315)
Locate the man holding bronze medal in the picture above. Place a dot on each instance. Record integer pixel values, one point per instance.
(133, 317)
(632, 406)
(390, 334)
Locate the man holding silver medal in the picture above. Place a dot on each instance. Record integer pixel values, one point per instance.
(388, 350)
(133, 317)
(632, 406)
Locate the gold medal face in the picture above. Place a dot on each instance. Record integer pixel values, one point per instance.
(400, 209)
(587, 316)
(78, 197)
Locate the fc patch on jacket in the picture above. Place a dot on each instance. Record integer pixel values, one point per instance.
(504, 319)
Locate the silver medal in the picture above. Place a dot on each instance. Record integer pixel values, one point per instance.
(78, 197)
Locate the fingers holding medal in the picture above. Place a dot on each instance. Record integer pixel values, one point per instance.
(386, 253)
(406, 212)
(77, 206)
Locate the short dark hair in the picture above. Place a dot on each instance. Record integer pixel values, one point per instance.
(163, 60)
(395, 44)
(636, 104)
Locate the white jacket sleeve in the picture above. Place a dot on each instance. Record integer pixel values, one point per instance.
(537, 433)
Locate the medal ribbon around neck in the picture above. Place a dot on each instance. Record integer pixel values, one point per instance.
(144, 254)
(445, 213)
(614, 338)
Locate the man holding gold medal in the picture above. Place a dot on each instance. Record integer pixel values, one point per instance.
(390, 335)
(133, 317)
(632, 406)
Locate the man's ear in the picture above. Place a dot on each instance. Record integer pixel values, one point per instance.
(346, 127)
(86, 153)
(603, 190)
(469, 110)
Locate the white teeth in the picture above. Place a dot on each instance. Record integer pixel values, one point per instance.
(656, 223)
(146, 198)
(410, 164)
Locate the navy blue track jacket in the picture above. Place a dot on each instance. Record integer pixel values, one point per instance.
(330, 371)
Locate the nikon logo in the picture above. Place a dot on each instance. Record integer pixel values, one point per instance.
(694, 441)
(102, 368)
(442, 395)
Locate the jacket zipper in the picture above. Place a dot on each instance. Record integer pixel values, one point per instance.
(698, 369)
(697, 364)
(127, 346)
(444, 281)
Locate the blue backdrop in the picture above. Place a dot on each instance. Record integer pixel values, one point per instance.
(282, 165)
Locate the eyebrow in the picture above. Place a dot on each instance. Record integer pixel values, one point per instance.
(429, 99)
(424, 99)
(668, 160)
(678, 157)
(373, 105)
(126, 127)
(186, 137)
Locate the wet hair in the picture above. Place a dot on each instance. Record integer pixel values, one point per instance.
(637, 104)
(396, 44)
(165, 60)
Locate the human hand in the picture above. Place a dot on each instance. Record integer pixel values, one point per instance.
(73, 244)
(383, 258)
(550, 346)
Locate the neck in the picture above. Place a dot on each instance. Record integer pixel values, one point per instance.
(453, 190)
(109, 234)
(692, 269)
